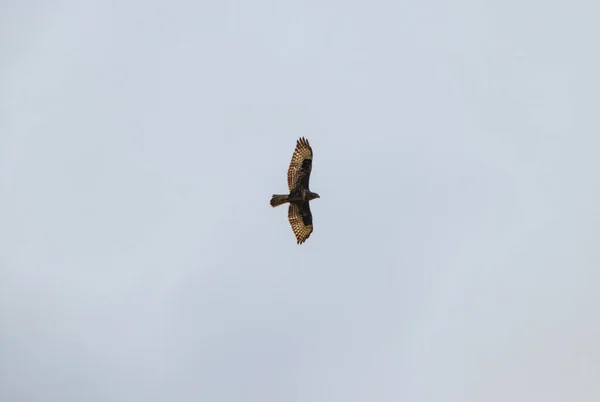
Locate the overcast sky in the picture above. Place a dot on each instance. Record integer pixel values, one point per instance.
(455, 252)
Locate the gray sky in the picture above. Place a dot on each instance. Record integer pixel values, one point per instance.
(454, 256)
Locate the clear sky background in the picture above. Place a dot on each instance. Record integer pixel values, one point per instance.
(455, 253)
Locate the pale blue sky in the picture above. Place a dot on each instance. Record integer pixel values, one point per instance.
(455, 253)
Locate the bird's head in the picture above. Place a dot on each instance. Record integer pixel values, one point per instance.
(314, 195)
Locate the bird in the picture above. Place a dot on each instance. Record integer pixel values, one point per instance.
(298, 176)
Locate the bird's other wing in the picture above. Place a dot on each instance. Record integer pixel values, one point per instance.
(301, 221)
(301, 165)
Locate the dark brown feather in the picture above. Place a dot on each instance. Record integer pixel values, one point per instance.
(300, 219)
(300, 165)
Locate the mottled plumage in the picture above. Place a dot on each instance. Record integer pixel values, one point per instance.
(299, 213)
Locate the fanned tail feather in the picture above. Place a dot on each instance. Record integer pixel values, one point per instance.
(278, 200)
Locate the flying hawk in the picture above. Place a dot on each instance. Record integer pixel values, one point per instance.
(298, 176)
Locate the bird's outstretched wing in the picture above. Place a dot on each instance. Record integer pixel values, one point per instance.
(301, 221)
(301, 165)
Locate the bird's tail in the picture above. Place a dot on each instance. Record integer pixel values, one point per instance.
(278, 200)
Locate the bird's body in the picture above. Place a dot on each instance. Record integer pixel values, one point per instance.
(299, 195)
